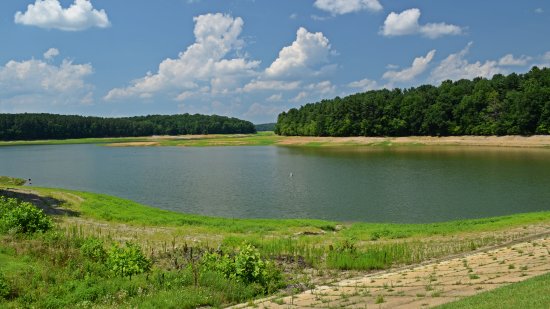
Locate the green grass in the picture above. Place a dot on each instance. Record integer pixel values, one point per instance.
(266, 138)
(75, 141)
(532, 293)
(323, 245)
(118, 210)
(11, 181)
(317, 243)
(48, 271)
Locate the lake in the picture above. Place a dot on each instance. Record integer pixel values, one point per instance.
(391, 184)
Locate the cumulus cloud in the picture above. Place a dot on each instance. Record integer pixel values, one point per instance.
(257, 110)
(419, 65)
(302, 57)
(456, 67)
(202, 67)
(539, 10)
(509, 60)
(50, 14)
(51, 53)
(36, 84)
(364, 85)
(275, 97)
(339, 7)
(277, 85)
(406, 23)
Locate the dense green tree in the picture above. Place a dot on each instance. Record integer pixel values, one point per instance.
(513, 104)
(50, 126)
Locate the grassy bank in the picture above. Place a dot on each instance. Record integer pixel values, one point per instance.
(529, 294)
(307, 251)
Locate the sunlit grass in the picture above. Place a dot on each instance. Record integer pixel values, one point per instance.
(529, 294)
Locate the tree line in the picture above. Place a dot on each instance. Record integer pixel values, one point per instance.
(50, 126)
(516, 104)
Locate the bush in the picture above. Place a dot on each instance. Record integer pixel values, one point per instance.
(22, 217)
(92, 248)
(4, 287)
(246, 266)
(127, 261)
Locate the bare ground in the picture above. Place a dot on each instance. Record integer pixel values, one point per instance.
(496, 141)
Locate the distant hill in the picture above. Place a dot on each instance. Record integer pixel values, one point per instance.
(265, 127)
(52, 126)
(516, 104)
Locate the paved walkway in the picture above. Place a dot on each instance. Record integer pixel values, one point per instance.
(428, 285)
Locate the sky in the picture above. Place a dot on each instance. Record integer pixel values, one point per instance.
(251, 59)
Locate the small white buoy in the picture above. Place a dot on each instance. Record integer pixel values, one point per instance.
(291, 175)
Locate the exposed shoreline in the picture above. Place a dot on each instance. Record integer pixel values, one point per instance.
(494, 141)
(270, 139)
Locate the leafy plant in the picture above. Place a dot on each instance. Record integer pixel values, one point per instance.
(128, 260)
(246, 266)
(22, 217)
(4, 287)
(92, 248)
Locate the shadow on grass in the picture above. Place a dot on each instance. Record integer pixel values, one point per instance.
(49, 205)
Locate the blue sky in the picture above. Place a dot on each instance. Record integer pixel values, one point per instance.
(250, 59)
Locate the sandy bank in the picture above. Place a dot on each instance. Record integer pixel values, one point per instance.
(500, 141)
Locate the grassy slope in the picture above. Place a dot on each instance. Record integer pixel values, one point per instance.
(259, 139)
(529, 294)
(273, 237)
(113, 209)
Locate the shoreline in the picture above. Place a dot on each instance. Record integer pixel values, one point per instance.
(270, 139)
(538, 141)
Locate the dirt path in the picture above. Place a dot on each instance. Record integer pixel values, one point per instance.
(426, 285)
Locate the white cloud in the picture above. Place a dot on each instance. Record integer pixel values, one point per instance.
(543, 61)
(339, 7)
(202, 67)
(314, 92)
(406, 23)
(455, 67)
(35, 84)
(275, 97)
(257, 110)
(323, 88)
(539, 10)
(270, 85)
(299, 97)
(302, 57)
(436, 30)
(509, 60)
(51, 53)
(50, 15)
(364, 85)
(419, 65)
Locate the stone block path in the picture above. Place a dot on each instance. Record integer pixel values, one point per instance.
(427, 285)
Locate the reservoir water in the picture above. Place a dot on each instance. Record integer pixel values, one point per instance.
(391, 184)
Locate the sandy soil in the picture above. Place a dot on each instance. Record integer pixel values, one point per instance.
(500, 141)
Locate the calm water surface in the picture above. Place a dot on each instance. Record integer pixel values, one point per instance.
(415, 184)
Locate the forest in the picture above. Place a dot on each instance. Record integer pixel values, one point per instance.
(516, 104)
(51, 126)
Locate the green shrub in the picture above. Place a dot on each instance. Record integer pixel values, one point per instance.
(127, 261)
(246, 266)
(4, 287)
(22, 217)
(92, 248)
